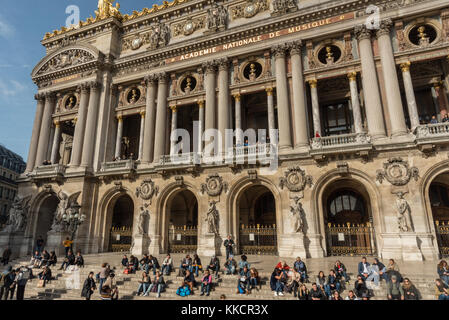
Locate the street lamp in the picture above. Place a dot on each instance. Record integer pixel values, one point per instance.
(73, 219)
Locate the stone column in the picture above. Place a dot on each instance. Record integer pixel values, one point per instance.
(119, 136)
(270, 107)
(174, 126)
(161, 118)
(210, 95)
(299, 103)
(200, 125)
(56, 141)
(238, 119)
(410, 94)
(223, 100)
(44, 136)
(356, 112)
(439, 90)
(40, 98)
(91, 125)
(80, 126)
(285, 139)
(393, 93)
(315, 107)
(150, 113)
(373, 104)
(141, 136)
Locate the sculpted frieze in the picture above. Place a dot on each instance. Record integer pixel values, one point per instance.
(249, 9)
(189, 26)
(66, 59)
(295, 179)
(397, 172)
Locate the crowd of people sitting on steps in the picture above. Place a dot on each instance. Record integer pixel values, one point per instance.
(284, 279)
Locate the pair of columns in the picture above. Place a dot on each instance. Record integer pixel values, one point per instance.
(355, 102)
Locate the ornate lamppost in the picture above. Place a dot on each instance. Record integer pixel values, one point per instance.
(72, 219)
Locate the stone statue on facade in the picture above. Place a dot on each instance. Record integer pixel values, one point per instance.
(284, 6)
(65, 206)
(212, 218)
(297, 216)
(18, 214)
(217, 17)
(403, 213)
(160, 36)
(142, 221)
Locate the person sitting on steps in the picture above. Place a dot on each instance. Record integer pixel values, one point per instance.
(230, 266)
(206, 283)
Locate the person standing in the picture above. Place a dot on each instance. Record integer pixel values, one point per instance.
(67, 243)
(104, 273)
(229, 245)
(39, 244)
(6, 256)
(89, 286)
(21, 280)
(7, 283)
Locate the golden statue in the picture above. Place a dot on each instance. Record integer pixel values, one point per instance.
(106, 9)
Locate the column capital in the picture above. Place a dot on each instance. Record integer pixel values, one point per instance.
(209, 66)
(223, 64)
(352, 76)
(150, 79)
(295, 47)
(362, 32)
(142, 114)
(385, 27)
(201, 104)
(57, 123)
(94, 85)
(238, 97)
(39, 97)
(438, 84)
(51, 96)
(120, 118)
(174, 109)
(279, 51)
(269, 91)
(83, 87)
(162, 78)
(313, 83)
(75, 120)
(405, 67)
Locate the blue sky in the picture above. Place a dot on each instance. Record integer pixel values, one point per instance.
(22, 27)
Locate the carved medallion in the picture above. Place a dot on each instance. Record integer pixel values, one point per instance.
(214, 185)
(147, 190)
(295, 180)
(397, 172)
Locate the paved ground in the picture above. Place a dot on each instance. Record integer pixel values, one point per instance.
(421, 273)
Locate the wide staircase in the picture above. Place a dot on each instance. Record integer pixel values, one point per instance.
(67, 285)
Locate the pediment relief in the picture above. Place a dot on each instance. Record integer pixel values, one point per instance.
(67, 58)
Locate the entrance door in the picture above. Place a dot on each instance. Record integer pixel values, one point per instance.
(439, 200)
(121, 232)
(183, 225)
(257, 232)
(348, 227)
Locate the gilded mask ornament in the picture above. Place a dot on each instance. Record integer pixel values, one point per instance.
(214, 185)
(147, 190)
(397, 172)
(295, 180)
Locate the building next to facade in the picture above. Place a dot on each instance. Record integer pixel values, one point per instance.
(11, 166)
(358, 91)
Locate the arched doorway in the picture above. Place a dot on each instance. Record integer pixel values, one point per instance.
(182, 213)
(348, 219)
(121, 230)
(45, 216)
(257, 221)
(439, 201)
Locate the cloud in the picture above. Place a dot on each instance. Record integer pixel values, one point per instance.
(11, 88)
(6, 29)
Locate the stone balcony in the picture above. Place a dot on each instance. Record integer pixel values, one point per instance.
(122, 167)
(54, 172)
(432, 133)
(343, 143)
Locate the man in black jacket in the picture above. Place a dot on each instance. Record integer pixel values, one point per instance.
(89, 286)
(214, 265)
(229, 245)
(153, 264)
(316, 293)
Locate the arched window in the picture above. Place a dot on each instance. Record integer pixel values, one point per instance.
(346, 206)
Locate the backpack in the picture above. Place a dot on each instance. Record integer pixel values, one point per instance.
(183, 291)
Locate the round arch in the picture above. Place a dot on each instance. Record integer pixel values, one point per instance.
(106, 208)
(236, 192)
(163, 206)
(39, 222)
(319, 197)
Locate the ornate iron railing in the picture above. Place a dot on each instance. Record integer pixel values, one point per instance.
(259, 239)
(121, 239)
(182, 239)
(350, 239)
(442, 230)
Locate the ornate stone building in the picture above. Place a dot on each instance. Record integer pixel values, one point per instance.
(11, 166)
(358, 91)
